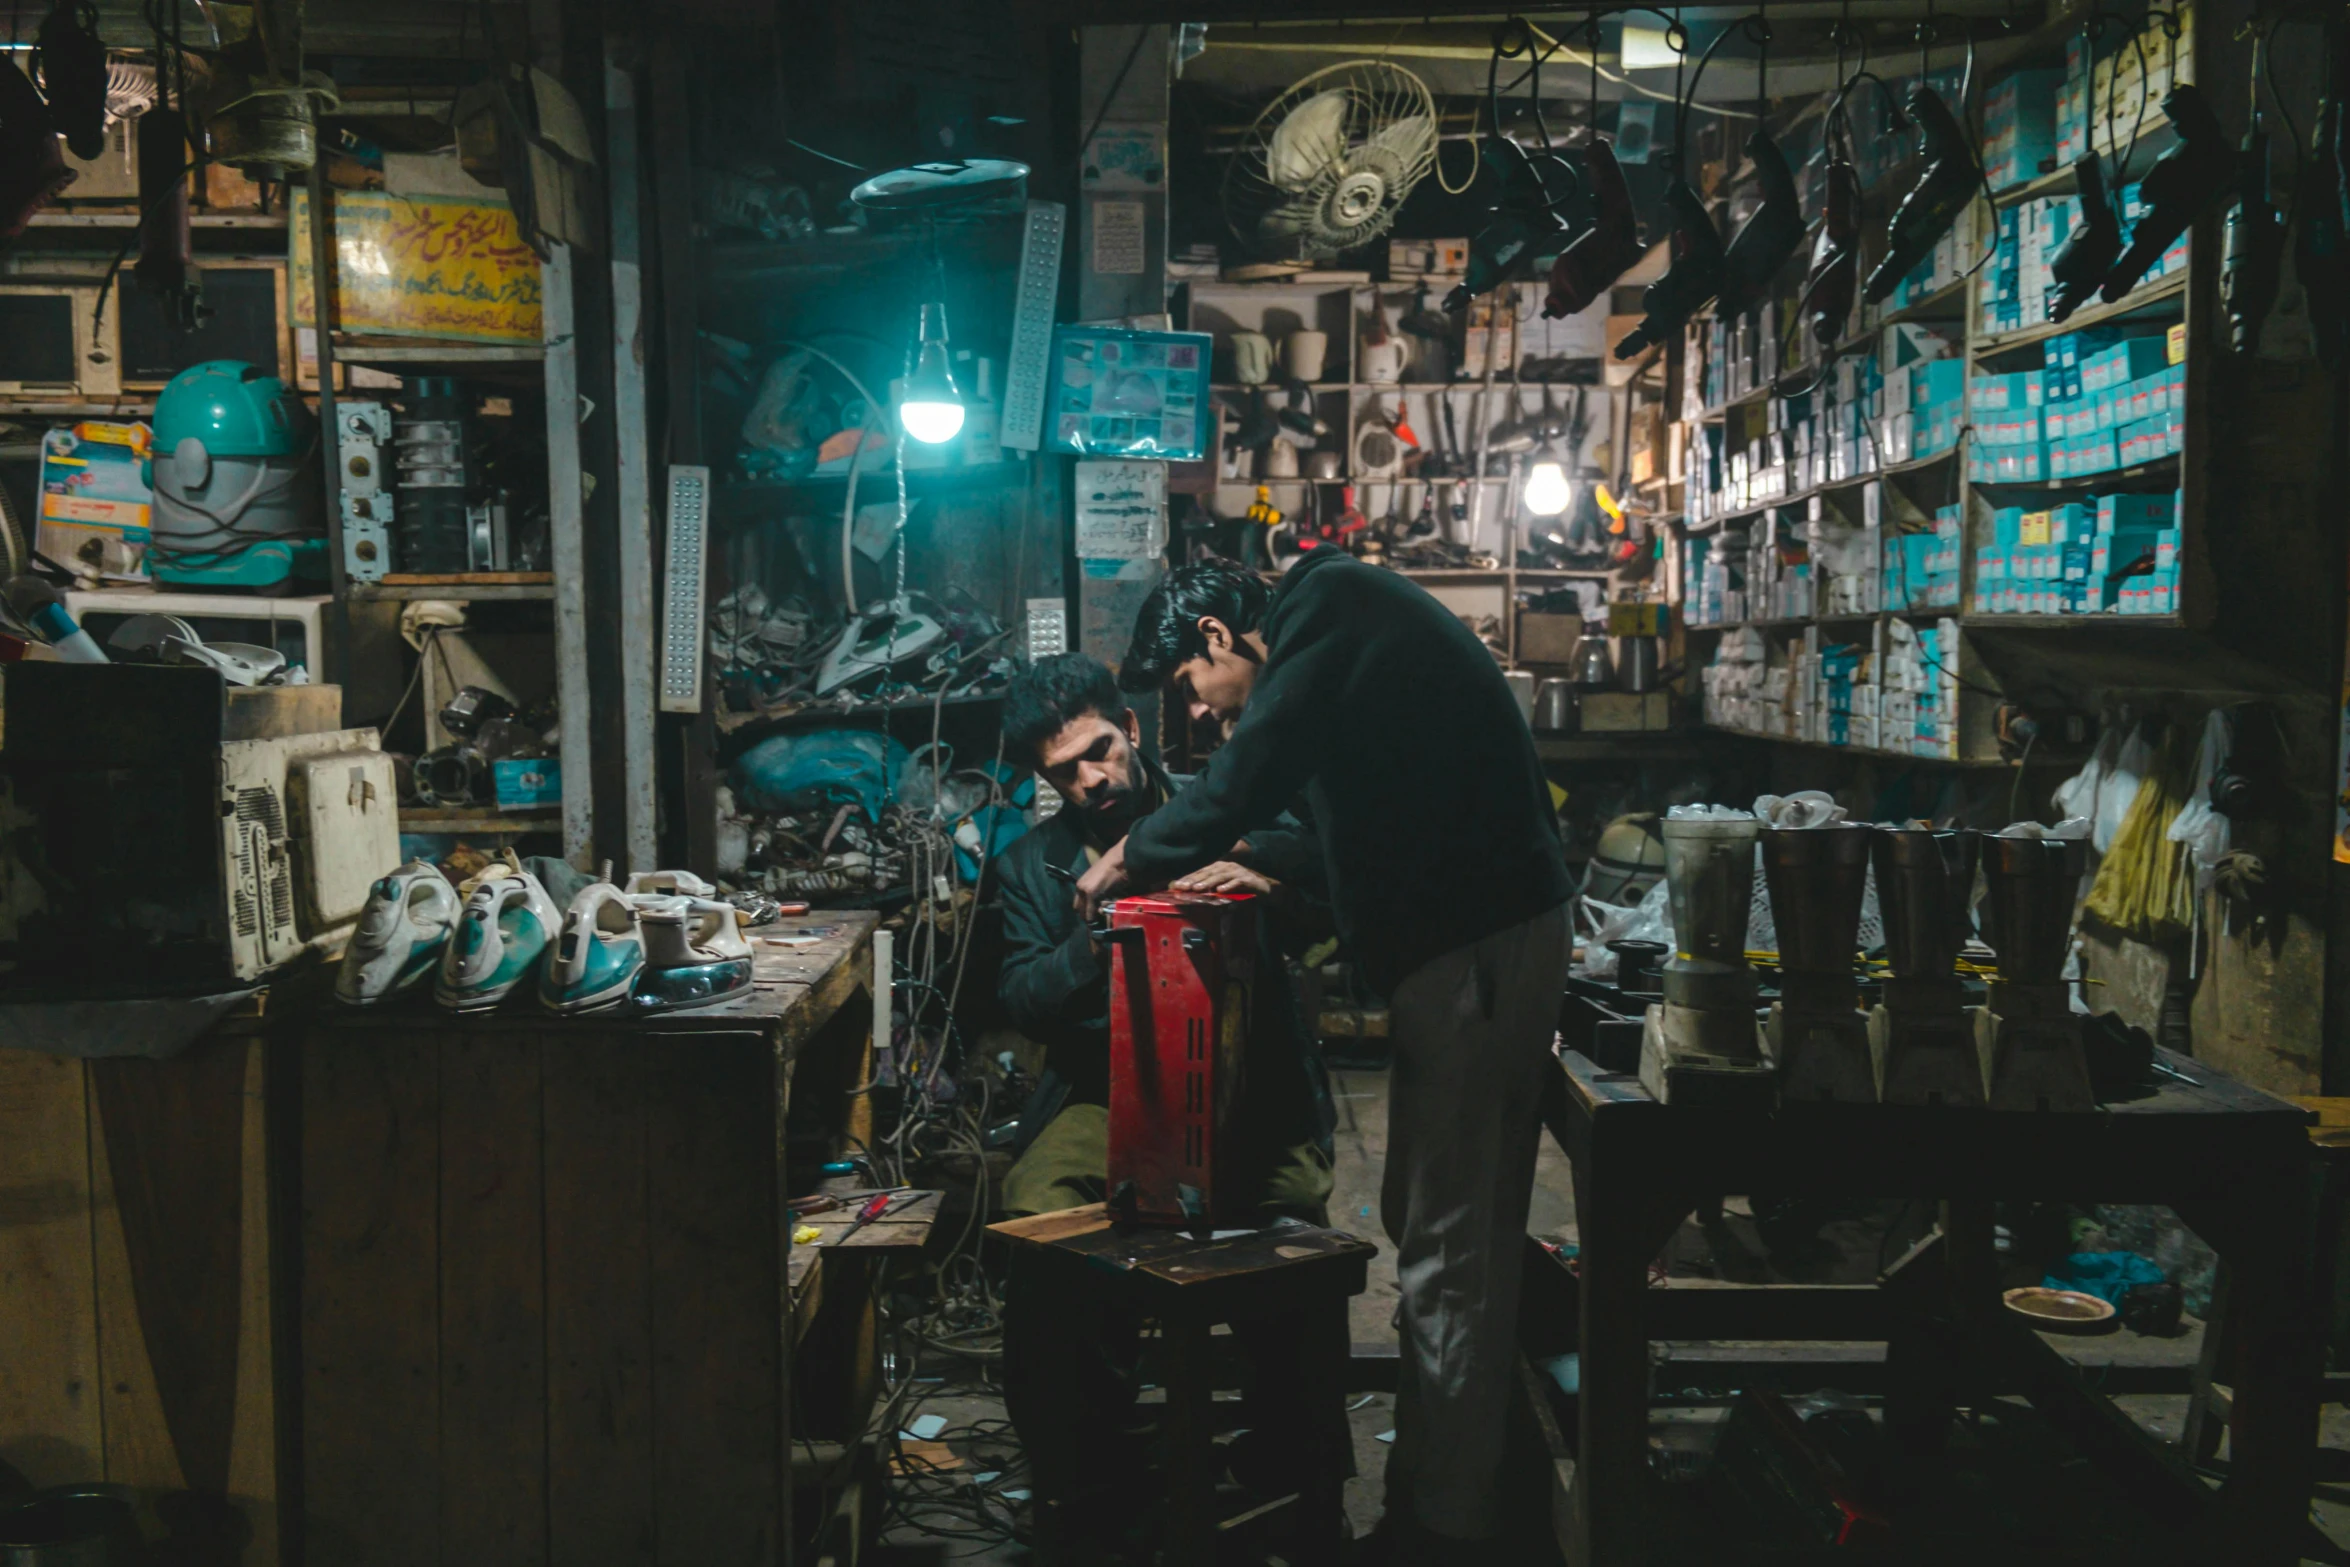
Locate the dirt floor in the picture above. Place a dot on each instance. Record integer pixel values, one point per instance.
(1850, 1246)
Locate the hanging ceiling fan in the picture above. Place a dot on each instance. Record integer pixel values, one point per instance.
(1326, 166)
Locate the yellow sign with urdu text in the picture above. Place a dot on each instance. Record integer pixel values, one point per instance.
(429, 266)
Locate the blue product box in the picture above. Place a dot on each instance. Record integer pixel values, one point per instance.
(528, 784)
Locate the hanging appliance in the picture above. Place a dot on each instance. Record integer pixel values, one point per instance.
(1700, 1044)
(1835, 257)
(2252, 252)
(1768, 238)
(2184, 183)
(1329, 162)
(1922, 1036)
(2029, 1037)
(696, 954)
(400, 935)
(1948, 186)
(236, 493)
(2088, 252)
(1693, 279)
(598, 955)
(1595, 258)
(501, 938)
(1818, 1035)
(884, 634)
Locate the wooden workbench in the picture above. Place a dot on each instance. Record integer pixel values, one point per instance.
(546, 1268)
(2230, 1159)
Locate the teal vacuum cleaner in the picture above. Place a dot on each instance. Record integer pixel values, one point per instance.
(237, 496)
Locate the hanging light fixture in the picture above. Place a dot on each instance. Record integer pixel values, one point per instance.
(1548, 490)
(931, 408)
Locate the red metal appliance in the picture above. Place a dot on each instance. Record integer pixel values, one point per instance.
(1182, 966)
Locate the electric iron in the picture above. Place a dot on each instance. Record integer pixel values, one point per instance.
(1689, 283)
(400, 935)
(2183, 184)
(695, 954)
(1950, 182)
(2087, 254)
(503, 933)
(883, 634)
(1768, 237)
(1595, 258)
(597, 958)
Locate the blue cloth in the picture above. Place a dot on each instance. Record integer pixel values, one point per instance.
(2108, 1275)
(827, 767)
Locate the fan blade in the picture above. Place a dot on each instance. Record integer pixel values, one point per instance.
(1289, 220)
(1406, 144)
(1307, 142)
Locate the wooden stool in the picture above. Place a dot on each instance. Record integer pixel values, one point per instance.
(1301, 1274)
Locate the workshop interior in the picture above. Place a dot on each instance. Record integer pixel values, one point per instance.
(610, 616)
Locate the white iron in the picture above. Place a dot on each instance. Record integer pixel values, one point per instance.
(695, 954)
(400, 936)
(504, 932)
(597, 958)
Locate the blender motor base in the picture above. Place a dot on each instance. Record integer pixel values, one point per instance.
(1926, 1058)
(2035, 1063)
(1824, 1058)
(1679, 1073)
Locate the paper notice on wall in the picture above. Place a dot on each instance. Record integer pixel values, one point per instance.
(1118, 245)
(1121, 510)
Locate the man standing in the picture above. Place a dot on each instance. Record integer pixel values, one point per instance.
(1448, 884)
(1069, 1374)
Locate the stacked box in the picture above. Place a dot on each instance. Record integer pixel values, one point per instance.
(2019, 127)
(2072, 104)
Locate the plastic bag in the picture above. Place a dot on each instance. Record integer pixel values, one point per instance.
(2117, 791)
(797, 772)
(2206, 833)
(2077, 795)
(1708, 813)
(2071, 829)
(1651, 919)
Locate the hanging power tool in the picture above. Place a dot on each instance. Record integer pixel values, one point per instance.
(1835, 256)
(1692, 280)
(2252, 254)
(2184, 183)
(1525, 221)
(1595, 258)
(1949, 183)
(1768, 237)
(71, 64)
(2321, 238)
(2088, 252)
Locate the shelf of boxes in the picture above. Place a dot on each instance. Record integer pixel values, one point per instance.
(1893, 691)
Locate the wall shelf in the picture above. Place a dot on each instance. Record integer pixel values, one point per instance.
(2146, 296)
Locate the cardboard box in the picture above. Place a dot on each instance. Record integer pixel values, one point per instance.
(1626, 712)
(1548, 639)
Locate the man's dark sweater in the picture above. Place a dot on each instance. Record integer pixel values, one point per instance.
(1433, 810)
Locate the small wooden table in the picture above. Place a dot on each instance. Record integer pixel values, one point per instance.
(1189, 1286)
(2230, 1159)
(546, 1267)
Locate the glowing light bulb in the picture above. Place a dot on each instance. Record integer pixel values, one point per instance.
(1548, 491)
(931, 407)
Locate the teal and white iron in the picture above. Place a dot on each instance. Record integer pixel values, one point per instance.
(400, 937)
(597, 958)
(503, 935)
(669, 884)
(695, 954)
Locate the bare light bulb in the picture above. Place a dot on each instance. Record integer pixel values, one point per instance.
(1548, 491)
(931, 408)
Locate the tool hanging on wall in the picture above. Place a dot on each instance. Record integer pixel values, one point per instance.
(2184, 184)
(1595, 258)
(2252, 252)
(2088, 251)
(1952, 176)
(1525, 219)
(71, 64)
(1695, 276)
(2321, 234)
(1771, 233)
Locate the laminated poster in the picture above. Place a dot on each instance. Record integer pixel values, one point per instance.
(434, 267)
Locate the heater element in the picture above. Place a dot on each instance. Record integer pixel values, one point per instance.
(1182, 966)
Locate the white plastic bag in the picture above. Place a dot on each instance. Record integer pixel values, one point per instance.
(2204, 831)
(1651, 919)
(2118, 789)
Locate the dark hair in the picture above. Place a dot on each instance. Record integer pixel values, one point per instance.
(1166, 632)
(1044, 697)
